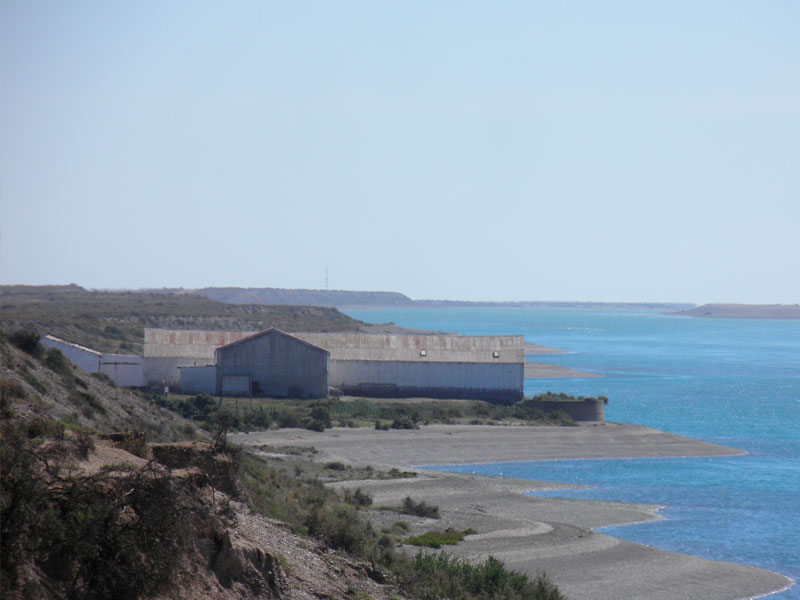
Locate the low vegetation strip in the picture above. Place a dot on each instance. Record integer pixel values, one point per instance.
(311, 508)
(437, 539)
(251, 414)
(435, 576)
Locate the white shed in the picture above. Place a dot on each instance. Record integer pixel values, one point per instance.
(124, 370)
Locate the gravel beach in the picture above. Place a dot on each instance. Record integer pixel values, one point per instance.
(537, 534)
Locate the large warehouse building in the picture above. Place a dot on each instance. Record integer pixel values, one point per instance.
(433, 366)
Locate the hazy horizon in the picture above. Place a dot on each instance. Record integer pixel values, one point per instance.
(415, 299)
(609, 152)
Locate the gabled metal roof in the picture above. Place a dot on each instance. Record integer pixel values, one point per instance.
(270, 331)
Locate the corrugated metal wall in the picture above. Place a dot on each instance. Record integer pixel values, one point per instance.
(199, 380)
(503, 381)
(164, 371)
(124, 370)
(278, 365)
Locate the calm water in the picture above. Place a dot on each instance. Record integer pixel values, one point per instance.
(733, 382)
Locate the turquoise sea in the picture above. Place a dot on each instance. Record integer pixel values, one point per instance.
(734, 382)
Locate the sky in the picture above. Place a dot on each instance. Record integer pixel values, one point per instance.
(595, 151)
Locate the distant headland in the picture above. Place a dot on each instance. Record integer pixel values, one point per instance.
(352, 299)
(742, 311)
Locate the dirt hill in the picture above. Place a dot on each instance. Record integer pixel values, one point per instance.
(115, 321)
(275, 296)
(107, 515)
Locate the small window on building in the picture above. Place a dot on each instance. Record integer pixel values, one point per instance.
(423, 353)
(495, 354)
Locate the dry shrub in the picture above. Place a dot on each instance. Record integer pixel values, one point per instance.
(113, 534)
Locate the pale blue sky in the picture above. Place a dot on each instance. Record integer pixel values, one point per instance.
(619, 151)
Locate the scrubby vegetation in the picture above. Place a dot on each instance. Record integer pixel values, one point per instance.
(437, 539)
(313, 509)
(248, 414)
(418, 509)
(434, 576)
(116, 533)
(115, 321)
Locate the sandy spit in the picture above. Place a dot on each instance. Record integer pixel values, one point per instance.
(538, 534)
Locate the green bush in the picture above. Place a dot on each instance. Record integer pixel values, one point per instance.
(438, 575)
(437, 539)
(357, 498)
(322, 414)
(404, 423)
(419, 509)
(287, 418)
(58, 363)
(11, 389)
(313, 425)
(28, 342)
(257, 418)
(340, 528)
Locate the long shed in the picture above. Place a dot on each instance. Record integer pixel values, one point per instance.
(124, 370)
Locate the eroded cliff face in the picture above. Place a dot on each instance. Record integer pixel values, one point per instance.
(103, 517)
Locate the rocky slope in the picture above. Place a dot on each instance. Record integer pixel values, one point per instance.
(107, 515)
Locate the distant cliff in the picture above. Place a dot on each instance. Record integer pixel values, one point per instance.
(743, 311)
(345, 298)
(645, 306)
(275, 296)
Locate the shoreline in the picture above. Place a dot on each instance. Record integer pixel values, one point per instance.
(532, 533)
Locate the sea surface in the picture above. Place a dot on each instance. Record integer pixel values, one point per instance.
(734, 382)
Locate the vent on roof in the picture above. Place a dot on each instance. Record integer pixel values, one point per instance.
(423, 353)
(495, 354)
